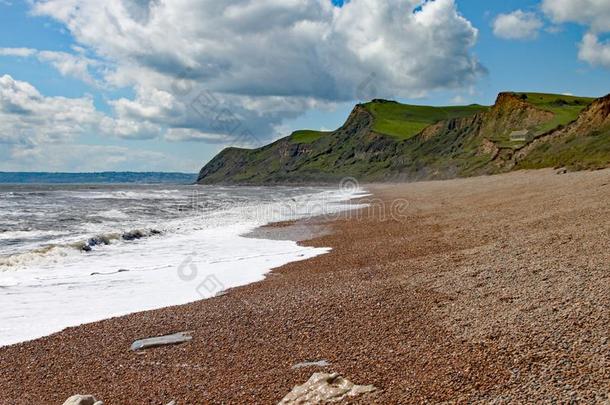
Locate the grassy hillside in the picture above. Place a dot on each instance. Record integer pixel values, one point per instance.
(566, 108)
(384, 140)
(403, 121)
(575, 152)
(306, 136)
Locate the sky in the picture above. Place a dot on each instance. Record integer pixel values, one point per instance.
(164, 85)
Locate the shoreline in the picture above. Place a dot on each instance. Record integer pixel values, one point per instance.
(488, 288)
(177, 268)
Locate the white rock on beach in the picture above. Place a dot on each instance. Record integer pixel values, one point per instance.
(319, 363)
(322, 388)
(82, 400)
(148, 343)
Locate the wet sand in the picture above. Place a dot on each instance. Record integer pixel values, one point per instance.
(471, 290)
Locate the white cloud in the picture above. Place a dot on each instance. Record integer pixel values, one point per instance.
(592, 13)
(80, 157)
(264, 61)
(69, 65)
(66, 63)
(593, 51)
(193, 135)
(517, 25)
(46, 133)
(27, 117)
(17, 52)
(126, 128)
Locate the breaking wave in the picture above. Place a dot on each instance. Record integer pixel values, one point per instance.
(58, 250)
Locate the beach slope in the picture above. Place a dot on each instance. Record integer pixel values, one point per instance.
(482, 289)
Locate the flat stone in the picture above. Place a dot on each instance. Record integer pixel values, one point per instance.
(174, 339)
(322, 388)
(82, 400)
(319, 363)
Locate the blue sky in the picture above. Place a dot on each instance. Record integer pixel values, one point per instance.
(103, 93)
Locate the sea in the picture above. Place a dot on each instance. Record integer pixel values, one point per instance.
(77, 253)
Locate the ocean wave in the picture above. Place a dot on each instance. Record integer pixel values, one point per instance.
(47, 253)
(82, 227)
(129, 195)
(55, 251)
(6, 234)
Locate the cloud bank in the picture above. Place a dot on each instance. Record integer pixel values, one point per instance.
(47, 133)
(28, 118)
(224, 72)
(200, 67)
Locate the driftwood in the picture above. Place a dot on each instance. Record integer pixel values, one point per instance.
(174, 339)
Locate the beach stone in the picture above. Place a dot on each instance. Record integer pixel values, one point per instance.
(174, 339)
(133, 235)
(319, 363)
(82, 400)
(322, 388)
(98, 240)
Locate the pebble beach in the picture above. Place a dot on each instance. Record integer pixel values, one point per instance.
(490, 289)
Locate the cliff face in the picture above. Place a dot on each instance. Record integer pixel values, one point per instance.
(351, 150)
(582, 144)
(469, 145)
(510, 112)
(594, 117)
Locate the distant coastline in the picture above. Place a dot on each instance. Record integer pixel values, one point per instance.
(97, 177)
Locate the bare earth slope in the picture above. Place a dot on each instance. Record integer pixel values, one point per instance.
(483, 289)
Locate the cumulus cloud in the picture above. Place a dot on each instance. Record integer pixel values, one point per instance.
(593, 51)
(46, 133)
(298, 48)
(595, 14)
(67, 64)
(29, 118)
(257, 63)
(517, 25)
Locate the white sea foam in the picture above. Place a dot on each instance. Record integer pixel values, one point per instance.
(49, 255)
(33, 233)
(112, 214)
(128, 195)
(196, 257)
